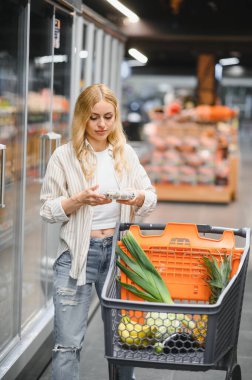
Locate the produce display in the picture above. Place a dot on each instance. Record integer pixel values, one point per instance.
(39, 105)
(200, 113)
(191, 151)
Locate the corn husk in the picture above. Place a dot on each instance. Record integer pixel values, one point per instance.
(140, 270)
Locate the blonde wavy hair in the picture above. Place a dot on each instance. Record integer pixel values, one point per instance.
(82, 112)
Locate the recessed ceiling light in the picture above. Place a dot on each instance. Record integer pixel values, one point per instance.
(229, 61)
(138, 55)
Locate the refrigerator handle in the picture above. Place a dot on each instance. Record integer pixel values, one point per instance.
(2, 174)
(48, 142)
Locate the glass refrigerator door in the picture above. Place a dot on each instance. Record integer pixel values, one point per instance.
(10, 166)
(39, 104)
(63, 24)
(48, 111)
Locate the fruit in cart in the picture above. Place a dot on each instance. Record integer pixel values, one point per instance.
(196, 326)
(159, 348)
(218, 275)
(133, 333)
(164, 324)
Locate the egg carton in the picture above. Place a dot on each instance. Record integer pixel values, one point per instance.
(122, 195)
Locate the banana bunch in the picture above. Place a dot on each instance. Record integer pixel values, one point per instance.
(133, 333)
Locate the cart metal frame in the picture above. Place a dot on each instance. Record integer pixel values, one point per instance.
(220, 351)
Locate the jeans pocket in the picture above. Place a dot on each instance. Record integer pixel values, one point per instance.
(64, 261)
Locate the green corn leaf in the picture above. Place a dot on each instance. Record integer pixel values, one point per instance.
(131, 263)
(162, 289)
(136, 253)
(151, 275)
(129, 239)
(156, 278)
(138, 292)
(140, 281)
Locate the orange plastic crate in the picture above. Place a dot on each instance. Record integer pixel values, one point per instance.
(177, 254)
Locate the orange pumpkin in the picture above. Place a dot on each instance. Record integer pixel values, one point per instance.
(214, 113)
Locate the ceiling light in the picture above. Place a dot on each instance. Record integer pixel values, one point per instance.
(137, 55)
(229, 61)
(124, 10)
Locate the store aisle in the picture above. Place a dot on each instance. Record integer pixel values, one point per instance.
(236, 214)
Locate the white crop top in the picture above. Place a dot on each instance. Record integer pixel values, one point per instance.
(107, 215)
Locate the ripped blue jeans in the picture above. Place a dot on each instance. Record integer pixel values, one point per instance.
(71, 303)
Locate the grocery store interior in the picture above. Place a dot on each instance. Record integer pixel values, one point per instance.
(182, 70)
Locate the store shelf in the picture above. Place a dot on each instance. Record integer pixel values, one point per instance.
(197, 193)
(201, 193)
(193, 160)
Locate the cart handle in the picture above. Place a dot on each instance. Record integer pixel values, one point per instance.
(203, 228)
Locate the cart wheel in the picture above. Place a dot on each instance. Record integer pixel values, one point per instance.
(113, 372)
(235, 373)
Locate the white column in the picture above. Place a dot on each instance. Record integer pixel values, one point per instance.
(119, 66)
(77, 41)
(90, 58)
(106, 60)
(98, 55)
(114, 64)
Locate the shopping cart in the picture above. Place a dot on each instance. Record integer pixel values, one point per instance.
(176, 252)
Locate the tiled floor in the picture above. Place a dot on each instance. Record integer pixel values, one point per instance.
(237, 214)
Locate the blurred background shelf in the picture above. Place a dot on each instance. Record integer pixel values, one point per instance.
(202, 193)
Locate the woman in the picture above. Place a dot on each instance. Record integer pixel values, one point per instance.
(78, 174)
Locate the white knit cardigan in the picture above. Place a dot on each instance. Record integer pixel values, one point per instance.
(64, 178)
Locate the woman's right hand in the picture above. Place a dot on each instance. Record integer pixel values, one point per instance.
(88, 196)
(91, 197)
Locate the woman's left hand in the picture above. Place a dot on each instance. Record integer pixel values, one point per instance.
(137, 201)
